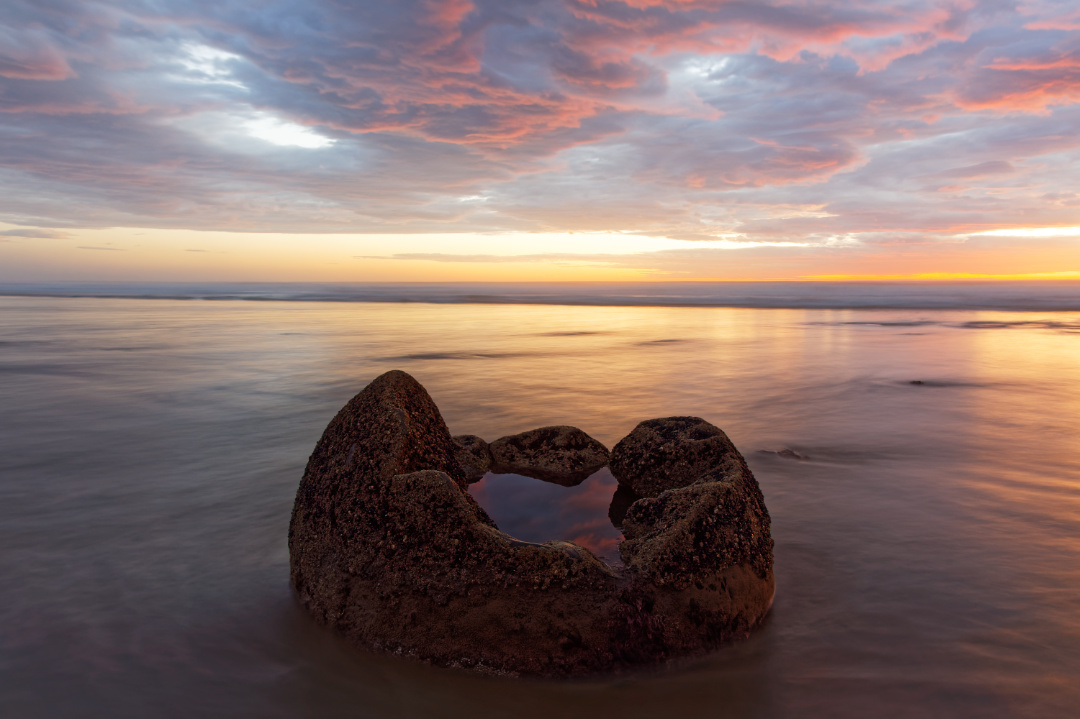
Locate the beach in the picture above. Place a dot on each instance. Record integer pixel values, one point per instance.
(926, 518)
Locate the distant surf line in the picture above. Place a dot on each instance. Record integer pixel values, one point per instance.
(1044, 296)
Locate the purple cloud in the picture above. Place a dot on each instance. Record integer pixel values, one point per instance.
(35, 234)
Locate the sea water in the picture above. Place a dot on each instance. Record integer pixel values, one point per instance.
(927, 529)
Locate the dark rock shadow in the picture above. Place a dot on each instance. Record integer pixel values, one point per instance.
(620, 503)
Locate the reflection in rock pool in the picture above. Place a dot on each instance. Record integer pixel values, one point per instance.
(536, 511)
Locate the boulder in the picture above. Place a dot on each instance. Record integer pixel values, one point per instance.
(389, 549)
(474, 456)
(390, 428)
(562, 454)
(704, 554)
(698, 542)
(671, 452)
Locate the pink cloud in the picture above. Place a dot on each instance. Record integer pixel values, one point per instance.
(28, 55)
(1050, 15)
(883, 31)
(603, 546)
(1022, 85)
(437, 80)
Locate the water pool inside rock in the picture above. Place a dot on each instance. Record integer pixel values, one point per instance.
(536, 511)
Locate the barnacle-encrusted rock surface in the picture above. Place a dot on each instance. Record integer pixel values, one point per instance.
(388, 548)
(474, 456)
(705, 551)
(672, 452)
(562, 454)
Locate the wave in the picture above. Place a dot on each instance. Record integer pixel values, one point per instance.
(1007, 296)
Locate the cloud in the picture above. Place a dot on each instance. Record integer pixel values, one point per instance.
(28, 54)
(822, 123)
(35, 233)
(982, 169)
(488, 258)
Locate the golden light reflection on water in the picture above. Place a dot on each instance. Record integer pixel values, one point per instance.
(1038, 479)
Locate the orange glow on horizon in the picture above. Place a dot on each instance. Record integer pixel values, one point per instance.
(153, 255)
(1070, 275)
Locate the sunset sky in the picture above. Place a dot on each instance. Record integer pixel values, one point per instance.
(538, 139)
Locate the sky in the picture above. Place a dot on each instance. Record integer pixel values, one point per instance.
(441, 140)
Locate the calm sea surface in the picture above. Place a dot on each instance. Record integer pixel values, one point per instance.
(927, 546)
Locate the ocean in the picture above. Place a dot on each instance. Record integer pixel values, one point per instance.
(926, 518)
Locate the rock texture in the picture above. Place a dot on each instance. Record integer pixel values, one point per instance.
(671, 452)
(705, 551)
(562, 454)
(474, 456)
(388, 548)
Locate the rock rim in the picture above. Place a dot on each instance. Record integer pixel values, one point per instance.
(474, 456)
(560, 454)
(389, 549)
(672, 452)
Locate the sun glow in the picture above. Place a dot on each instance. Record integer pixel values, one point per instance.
(1030, 232)
(154, 253)
(1069, 275)
(288, 134)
